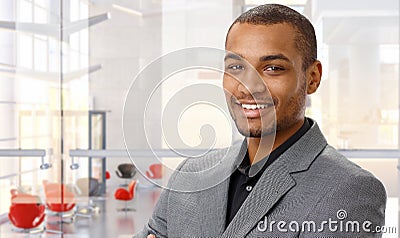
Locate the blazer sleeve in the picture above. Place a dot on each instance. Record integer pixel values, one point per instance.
(356, 208)
(157, 223)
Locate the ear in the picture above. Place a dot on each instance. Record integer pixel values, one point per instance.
(314, 74)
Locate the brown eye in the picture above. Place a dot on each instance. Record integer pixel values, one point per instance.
(274, 68)
(235, 67)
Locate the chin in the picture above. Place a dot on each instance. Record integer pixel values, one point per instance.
(256, 132)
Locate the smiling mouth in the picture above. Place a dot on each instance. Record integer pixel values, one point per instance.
(252, 109)
(254, 106)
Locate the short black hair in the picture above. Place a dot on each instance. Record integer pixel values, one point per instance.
(270, 14)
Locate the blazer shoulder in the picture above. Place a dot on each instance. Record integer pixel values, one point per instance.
(330, 161)
(334, 171)
(343, 185)
(210, 159)
(195, 174)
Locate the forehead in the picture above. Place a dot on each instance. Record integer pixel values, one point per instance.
(255, 40)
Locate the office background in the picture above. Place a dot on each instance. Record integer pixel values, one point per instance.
(64, 90)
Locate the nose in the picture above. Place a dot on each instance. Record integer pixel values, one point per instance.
(251, 83)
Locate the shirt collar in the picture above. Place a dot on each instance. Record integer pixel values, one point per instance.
(258, 168)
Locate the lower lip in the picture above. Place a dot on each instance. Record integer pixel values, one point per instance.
(250, 113)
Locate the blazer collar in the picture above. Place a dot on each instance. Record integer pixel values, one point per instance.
(301, 154)
(276, 181)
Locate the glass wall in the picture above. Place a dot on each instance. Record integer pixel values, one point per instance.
(44, 92)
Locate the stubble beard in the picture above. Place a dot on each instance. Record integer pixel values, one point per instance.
(294, 111)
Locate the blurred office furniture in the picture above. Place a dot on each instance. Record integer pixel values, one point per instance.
(154, 171)
(26, 212)
(60, 201)
(126, 171)
(126, 195)
(88, 187)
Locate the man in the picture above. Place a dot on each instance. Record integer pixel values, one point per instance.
(296, 186)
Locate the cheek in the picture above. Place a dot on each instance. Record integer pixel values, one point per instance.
(229, 84)
(281, 93)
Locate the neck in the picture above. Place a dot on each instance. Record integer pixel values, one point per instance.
(259, 147)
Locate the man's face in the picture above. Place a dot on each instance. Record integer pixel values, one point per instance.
(263, 72)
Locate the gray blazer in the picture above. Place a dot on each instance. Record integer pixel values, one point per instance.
(309, 191)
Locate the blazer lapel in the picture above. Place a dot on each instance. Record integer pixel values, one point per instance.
(214, 200)
(273, 184)
(276, 181)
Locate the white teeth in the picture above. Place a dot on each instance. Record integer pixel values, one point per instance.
(254, 106)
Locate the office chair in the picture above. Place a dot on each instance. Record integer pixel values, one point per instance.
(26, 213)
(126, 171)
(126, 195)
(59, 200)
(88, 187)
(154, 171)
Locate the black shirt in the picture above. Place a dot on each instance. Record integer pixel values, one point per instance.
(242, 180)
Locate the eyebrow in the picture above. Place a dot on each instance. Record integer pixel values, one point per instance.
(262, 58)
(233, 56)
(274, 57)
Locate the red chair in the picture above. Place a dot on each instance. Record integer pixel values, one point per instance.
(58, 198)
(154, 171)
(26, 211)
(126, 195)
(108, 175)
